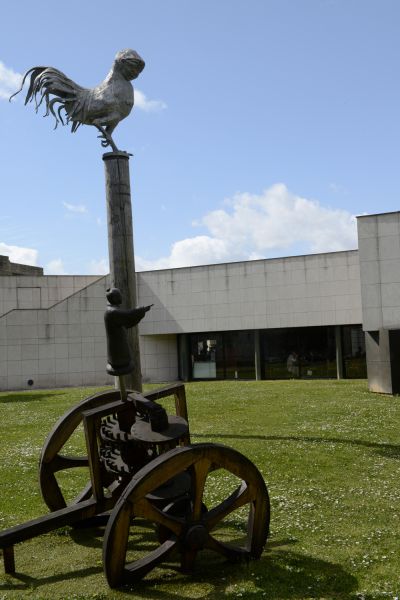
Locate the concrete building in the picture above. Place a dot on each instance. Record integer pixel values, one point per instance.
(234, 320)
(379, 253)
(9, 268)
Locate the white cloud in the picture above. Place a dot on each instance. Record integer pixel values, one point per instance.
(278, 219)
(55, 267)
(257, 226)
(142, 102)
(19, 254)
(198, 250)
(99, 267)
(10, 81)
(75, 208)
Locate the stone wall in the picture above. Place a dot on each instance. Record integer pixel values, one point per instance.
(10, 268)
(35, 292)
(65, 344)
(321, 289)
(379, 251)
(56, 347)
(159, 357)
(52, 329)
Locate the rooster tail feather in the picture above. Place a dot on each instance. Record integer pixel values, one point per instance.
(60, 108)
(58, 83)
(51, 109)
(32, 90)
(35, 72)
(77, 107)
(46, 97)
(42, 97)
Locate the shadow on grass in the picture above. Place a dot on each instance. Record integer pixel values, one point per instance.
(28, 396)
(280, 573)
(28, 582)
(386, 450)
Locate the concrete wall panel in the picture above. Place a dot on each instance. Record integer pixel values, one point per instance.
(62, 341)
(299, 286)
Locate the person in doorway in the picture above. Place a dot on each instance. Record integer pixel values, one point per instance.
(292, 365)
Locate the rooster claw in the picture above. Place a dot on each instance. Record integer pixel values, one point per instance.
(104, 142)
(106, 139)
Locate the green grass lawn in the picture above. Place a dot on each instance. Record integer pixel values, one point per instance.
(329, 452)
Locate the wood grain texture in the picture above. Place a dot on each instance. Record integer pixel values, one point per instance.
(120, 247)
(9, 559)
(189, 528)
(51, 461)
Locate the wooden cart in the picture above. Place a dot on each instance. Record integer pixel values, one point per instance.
(143, 466)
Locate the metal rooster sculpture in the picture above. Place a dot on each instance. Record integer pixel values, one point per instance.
(103, 106)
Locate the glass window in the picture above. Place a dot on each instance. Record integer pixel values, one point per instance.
(353, 347)
(287, 353)
(223, 355)
(276, 347)
(207, 356)
(239, 355)
(302, 352)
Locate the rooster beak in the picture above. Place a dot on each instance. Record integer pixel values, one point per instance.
(138, 64)
(133, 67)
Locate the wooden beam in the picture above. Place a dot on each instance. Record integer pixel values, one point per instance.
(120, 246)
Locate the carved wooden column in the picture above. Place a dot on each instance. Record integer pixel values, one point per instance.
(120, 246)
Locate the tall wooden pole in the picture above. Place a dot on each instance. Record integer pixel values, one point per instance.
(120, 246)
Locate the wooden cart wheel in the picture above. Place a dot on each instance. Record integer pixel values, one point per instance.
(51, 459)
(191, 530)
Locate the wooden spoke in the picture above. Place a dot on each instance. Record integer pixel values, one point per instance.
(84, 494)
(187, 560)
(145, 510)
(241, 496)
(187, 529)
(135, 571)
(201, 469)
(53, 461)
(232, 553)
(60, 462)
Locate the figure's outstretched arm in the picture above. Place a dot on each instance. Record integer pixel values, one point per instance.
(131, 317)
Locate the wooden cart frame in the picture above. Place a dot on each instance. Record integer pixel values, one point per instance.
(183, 521)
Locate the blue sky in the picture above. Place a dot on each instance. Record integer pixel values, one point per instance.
(261, 128)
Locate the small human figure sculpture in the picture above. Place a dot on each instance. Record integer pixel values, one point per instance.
(117, 320)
